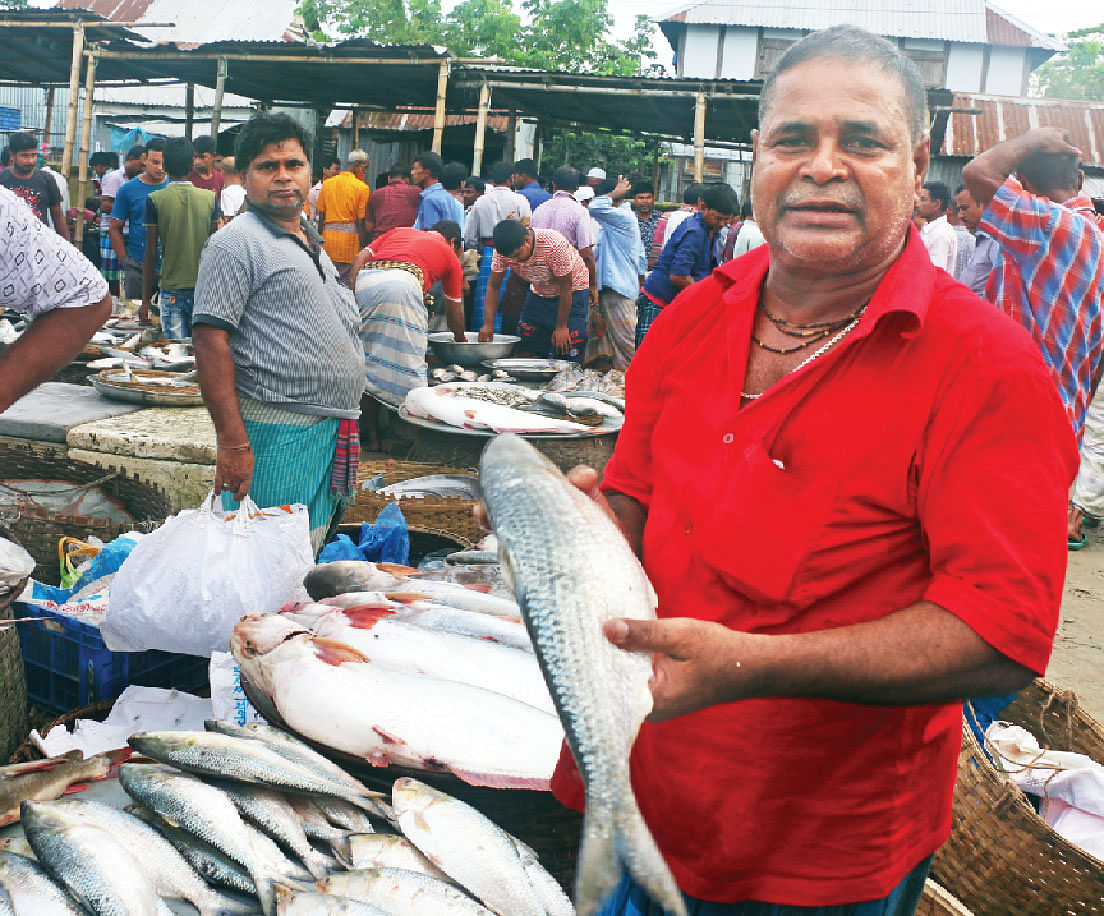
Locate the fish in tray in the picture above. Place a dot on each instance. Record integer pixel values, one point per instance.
(386, 716)
(315, 904)
(396, 890)
(385, 637)
(445, 404)
(572, 570)
(31, 891)
(465, 486)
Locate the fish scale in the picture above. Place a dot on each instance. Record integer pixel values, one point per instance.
(572, 570)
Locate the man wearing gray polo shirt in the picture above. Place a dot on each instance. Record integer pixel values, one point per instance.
(280, 362)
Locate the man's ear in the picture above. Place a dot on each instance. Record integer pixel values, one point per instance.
(1080, 179)
(921, 159)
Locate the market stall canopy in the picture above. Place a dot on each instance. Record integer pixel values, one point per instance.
(36, 46)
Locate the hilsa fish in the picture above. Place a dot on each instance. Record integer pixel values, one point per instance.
(572, 570)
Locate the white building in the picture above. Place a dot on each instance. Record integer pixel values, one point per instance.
(961, 45)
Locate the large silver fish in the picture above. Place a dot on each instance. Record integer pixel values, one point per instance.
(92, 865)
(312, 904)
(241, 759)
(204, 811)
(403, 893)
(572, 570)
(32, 892)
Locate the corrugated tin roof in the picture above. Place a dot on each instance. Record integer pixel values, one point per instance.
(1002, 118)
(973, 21)
(202, 21)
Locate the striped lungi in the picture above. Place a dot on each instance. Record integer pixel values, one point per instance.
(618, 343)
(109, 261)
(394, 331)
(647, 311)
(293, 455)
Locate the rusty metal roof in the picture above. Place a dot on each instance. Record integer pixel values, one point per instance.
(200, 21)
(1002, 118)
(972, 21)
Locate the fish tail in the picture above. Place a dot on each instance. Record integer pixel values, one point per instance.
(637, 848)
(316, 864)
(266, 891)
(598, 871)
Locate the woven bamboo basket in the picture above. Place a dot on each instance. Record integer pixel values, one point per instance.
(13, 686)
(938, 901)
(1054, 717)
(451, 515)
(40, 530)
(1002, 859)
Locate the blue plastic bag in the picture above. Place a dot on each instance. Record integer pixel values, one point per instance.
(387, 541)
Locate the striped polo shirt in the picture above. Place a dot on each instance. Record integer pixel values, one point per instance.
(293, 326)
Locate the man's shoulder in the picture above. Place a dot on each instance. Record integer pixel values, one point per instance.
(985, 335)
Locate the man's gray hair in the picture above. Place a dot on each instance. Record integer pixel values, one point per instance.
(852, 44)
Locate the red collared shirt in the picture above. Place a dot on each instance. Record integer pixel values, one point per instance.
(927, 457)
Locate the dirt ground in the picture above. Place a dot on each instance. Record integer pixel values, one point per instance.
(1078, 660)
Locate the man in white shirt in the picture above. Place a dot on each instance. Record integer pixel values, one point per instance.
(233, 193)
(938, 235)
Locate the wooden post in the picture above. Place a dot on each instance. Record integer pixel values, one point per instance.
(510, 153)
(481, 127)
(189, 111)
(356, 128)
(655, 169)
(220, 90)
(47, 128)
(439, 114)
(74, 92)
(85, 145)
(699, 137)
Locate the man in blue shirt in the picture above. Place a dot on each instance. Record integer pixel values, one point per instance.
(526, 174)
(434, 203)
(621, 265)
(981, 261)
(687, 257)
(130, 206)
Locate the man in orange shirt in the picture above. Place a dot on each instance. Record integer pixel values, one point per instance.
(341, 205)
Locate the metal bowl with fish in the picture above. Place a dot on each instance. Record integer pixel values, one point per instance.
(471, 352)
(529, 369)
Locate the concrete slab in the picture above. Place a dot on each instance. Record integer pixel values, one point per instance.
(180, 434)
(53, 408)
(185, 483)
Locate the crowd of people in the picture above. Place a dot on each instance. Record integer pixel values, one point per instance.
(854, 408)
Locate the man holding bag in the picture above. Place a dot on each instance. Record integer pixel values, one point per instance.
(276, 338)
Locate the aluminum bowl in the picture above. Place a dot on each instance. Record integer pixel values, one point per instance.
(471, 353)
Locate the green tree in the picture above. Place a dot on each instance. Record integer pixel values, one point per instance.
(621, 155)
(1079, 73)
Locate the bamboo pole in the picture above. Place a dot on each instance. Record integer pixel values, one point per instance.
(74, 91)
(85, 145)
(356, 128)
(655, 169)
(48, 127)
(481, 127)
(511, 138)
(220, 90)
(439, 113)
(189, 111)
(699, 137)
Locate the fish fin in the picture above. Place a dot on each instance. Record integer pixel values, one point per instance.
(317, 865)
(74, 788)
(478, 587)
(407, 597)
(387, 738)
(336, 653)
(366, 616)
(597, 871)
(35, 766)
(499, 781)
(637, 848)
(398, 570)
(115, 758)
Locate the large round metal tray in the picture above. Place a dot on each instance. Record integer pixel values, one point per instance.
(471, 353)
(149, 398)
(529, 369)
(606, 427)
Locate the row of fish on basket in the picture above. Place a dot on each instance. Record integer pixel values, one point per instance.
(239, 820)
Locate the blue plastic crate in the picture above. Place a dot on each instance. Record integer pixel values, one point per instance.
(67, 665)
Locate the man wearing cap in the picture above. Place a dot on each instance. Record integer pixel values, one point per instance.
(569, 218)
(595, 177)
(341, 205)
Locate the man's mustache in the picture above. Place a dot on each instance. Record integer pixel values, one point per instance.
(846, 198)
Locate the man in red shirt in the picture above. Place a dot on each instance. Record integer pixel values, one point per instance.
(393, 205)
(204, 175)
(391, 277)
(846, 475)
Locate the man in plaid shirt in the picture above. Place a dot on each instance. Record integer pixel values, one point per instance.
(1049, 273)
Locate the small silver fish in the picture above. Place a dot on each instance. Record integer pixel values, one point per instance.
(396, 890)
(30, 890)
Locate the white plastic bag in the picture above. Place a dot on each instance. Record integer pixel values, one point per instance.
(228, 700)
(184, 586)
